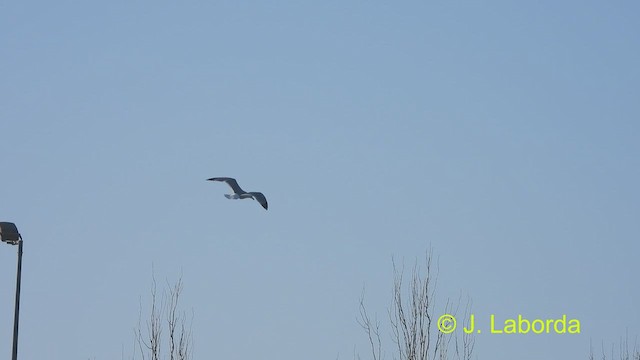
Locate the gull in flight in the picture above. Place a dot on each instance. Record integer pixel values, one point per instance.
(238, 193)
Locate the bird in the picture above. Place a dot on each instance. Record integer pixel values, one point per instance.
(238, 193)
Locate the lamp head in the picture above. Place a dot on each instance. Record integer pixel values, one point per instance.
(9, 233)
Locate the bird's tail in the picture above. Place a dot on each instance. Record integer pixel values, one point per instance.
(231, 196)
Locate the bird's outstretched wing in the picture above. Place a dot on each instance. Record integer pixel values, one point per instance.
(260, 198)
(231, 182)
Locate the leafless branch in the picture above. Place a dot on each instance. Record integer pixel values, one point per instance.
(164, 309)
(411, 317)
(372, 328)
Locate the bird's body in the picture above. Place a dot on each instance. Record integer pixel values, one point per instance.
(238, 193)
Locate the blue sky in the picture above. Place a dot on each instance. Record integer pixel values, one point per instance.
(503, 135)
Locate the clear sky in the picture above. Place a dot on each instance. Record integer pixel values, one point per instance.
(503, 134)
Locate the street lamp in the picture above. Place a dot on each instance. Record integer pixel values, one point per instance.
(9, 234)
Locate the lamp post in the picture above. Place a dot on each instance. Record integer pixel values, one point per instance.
(9, 234)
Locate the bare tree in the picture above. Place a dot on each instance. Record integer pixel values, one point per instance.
(372, 328)
(164, 315)
(412, 322)
(624, 352)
